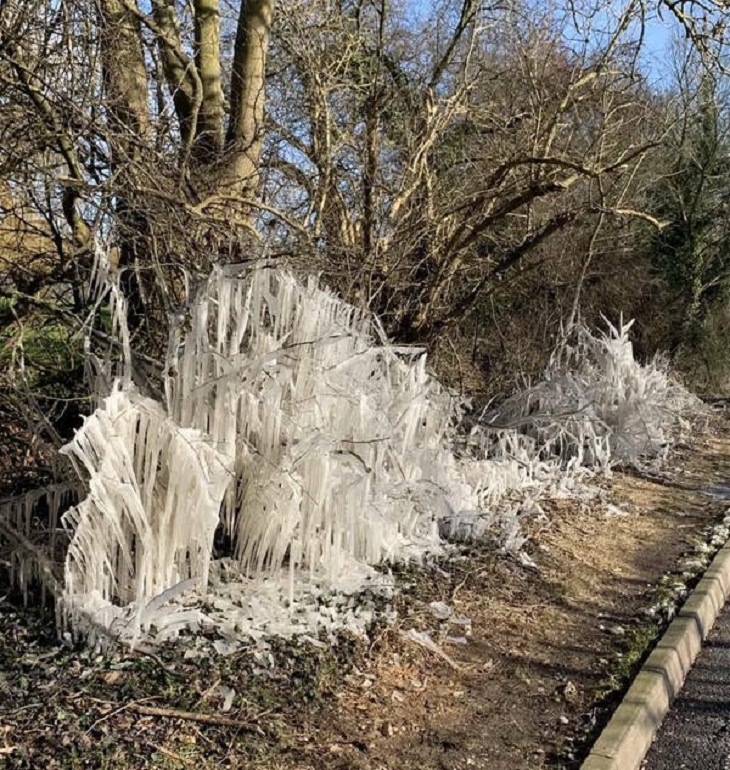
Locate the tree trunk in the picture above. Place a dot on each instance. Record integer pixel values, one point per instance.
(218, 172)
(244, 141)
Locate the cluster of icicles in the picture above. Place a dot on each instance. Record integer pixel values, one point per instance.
(291, 425)
(294, 430)
(597, 405)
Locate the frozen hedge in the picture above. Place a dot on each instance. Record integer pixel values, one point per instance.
(292, 426)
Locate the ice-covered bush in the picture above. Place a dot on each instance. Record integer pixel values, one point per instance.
(339, 441)
(597, 405)
(320, 448)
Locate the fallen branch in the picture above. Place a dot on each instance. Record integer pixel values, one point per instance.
(191, 716)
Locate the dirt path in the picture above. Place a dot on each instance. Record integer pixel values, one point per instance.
(524, 684)
(541, 669)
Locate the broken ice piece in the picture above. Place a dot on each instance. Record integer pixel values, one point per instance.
(441, 610)
(462, 620)
(227, 693)
(424, 639)
(225, 647)
(527, 561)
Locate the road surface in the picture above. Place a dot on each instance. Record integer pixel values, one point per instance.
(695, 734)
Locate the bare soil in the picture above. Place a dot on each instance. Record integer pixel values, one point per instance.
(526, 684)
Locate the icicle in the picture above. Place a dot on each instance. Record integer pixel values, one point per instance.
(32, 535)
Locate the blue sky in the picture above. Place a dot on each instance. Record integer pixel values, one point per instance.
(657, 57)
(600, 16)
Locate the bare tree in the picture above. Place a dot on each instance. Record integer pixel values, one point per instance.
(424, 166)
(150, 120)
(419, 164)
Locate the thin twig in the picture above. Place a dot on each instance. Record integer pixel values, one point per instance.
(171, 754)
(110, 715)
(150, 654)
(478, 571)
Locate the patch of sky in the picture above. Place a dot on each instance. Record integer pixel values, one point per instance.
(587, 28)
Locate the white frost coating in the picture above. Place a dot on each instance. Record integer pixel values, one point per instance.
(148, 521)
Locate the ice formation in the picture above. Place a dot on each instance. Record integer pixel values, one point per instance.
(597, 405)
(338, 440)
(294, 430)
(154, 495)
(321, 448)
(30, 522)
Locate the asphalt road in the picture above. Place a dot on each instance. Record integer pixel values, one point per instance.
(695, 735)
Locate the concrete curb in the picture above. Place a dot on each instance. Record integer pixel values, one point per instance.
(626, 739)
